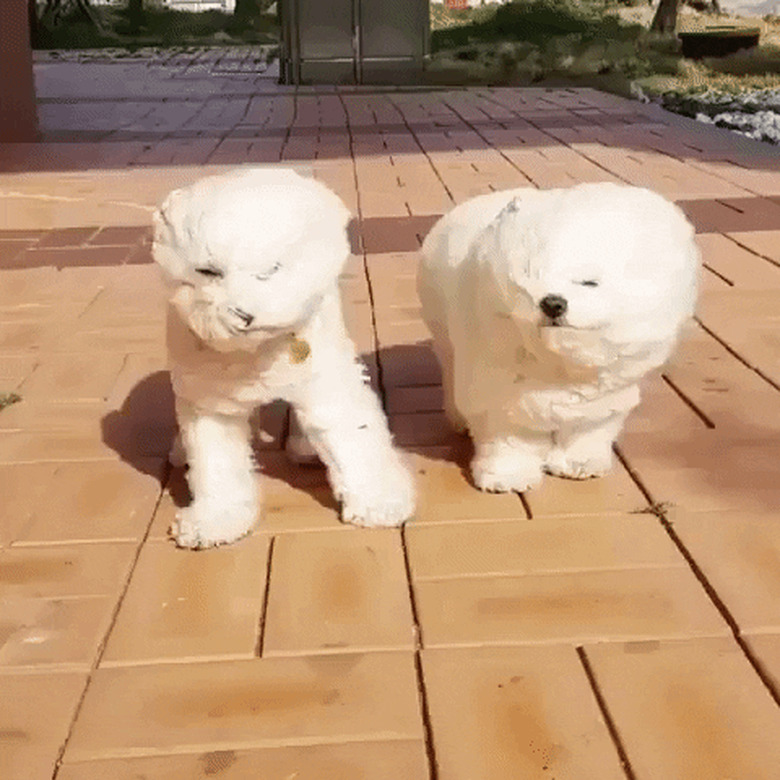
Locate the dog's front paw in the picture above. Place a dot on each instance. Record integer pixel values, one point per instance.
(387, 502)
(506, 476)
(203, 524)
(573, 466)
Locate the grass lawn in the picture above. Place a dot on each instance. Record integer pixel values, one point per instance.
(601, 43)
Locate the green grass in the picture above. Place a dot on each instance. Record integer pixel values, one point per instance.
(6, 399)
(559, 41)
(568, 42)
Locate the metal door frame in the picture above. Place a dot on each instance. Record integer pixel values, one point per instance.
(291, 64)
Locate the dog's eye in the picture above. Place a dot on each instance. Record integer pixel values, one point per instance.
(589, 283)
(268, 274)
(212, 272)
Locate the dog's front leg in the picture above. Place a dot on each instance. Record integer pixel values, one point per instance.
(583, 452)
(506, 463)
(221, 478)
(342, 419)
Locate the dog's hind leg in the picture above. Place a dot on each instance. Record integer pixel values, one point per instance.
(221, 479)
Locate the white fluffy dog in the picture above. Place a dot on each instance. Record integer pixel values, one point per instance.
(546, 309)
(253, 259)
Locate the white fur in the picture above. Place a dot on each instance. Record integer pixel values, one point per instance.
(261, 320)
(537, 397)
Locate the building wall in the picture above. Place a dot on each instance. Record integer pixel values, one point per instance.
(17, 91)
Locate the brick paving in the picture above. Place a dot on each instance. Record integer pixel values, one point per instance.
(621, 627)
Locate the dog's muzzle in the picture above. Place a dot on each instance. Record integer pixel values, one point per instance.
(246, 318)
(553, 306)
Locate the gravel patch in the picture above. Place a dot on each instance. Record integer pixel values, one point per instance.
(755, 114)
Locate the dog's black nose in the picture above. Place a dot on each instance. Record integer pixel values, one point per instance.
(553, 306)
(247, 319)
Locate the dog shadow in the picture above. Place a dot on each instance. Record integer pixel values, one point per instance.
(142, 432)
(143, 429)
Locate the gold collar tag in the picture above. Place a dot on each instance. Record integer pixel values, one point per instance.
(299, 350)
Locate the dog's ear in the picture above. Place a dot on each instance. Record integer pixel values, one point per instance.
(170, 233)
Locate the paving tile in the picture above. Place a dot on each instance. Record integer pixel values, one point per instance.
(145, 373)
(408, 400)
(409, 332)
(74, 377)
(705, 472)
(447, 495)
(407, 366)
(223, 705)
(43, 313)
(20, 487)
(395, 233)
(141, 255)
(766, 648)
(29, 743)
(269, 426)
(737, 264)
(14, 369)
(76, 570)
(44, 416)
(147, 336)
(765, 243)
(59, 257)
(295, 497)
(389, 291)
(515, 712)
(351, 761)
(392, 265)
(67, 237)
(422, 429)
(183, 605)
(10, 250)
(52, 633)
(567, 607)
(27, 286)
(338, 591)
(113, 305)
(121, 235)
(539, 546)
(25, 337)
(739, 553)
(94, 501)
(614, 492)
(140, 423)
(724, 389)
(25, 235)
(679, 706)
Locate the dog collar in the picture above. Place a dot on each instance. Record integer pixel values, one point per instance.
(299, 349)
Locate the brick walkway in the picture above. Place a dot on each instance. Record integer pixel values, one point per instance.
(627, 627)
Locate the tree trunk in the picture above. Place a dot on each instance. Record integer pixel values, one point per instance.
(55, 11)
(665, 19)
(88, 13)
(32, 18)
(135, 15)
